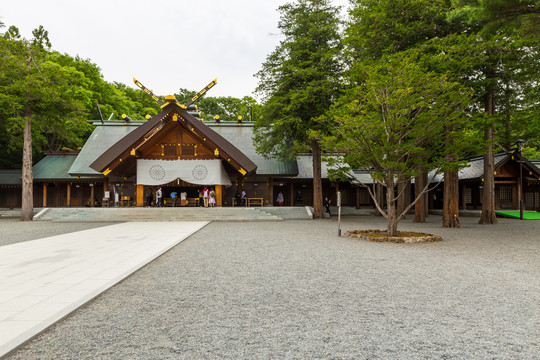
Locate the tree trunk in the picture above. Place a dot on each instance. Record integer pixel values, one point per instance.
(391, 228)
(27, 206)
(420, 205)
(451, 200)
(488, 216)
(317, 182)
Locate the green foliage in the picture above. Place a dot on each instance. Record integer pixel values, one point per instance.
(396, 121)
(60, 92)
(34, 87)
(503, 58)
(300, 78)
(379, 27)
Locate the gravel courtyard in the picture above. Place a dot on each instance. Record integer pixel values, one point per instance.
(294, 290)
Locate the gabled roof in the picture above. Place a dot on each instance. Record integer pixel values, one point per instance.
(475, 168)
(227, 150)
(102, 138)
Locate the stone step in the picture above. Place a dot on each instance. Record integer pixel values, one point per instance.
(156, 214)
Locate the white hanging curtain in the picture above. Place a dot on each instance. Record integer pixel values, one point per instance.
(198, 172)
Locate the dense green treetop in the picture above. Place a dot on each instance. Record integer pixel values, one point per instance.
(300, 79)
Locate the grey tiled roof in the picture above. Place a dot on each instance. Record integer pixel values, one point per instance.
(305, 167)
(102, 138)
(475, 170)
(241, 137)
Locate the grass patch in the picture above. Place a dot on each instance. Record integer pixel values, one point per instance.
(514, 214)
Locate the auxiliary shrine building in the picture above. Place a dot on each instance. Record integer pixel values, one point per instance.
(125, 161)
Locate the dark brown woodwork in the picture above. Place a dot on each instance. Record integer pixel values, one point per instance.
(172, 112)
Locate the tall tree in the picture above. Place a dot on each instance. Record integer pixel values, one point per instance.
(381, 27)
(506, 36)
(393, 123)
(299, 81)
(38, 96)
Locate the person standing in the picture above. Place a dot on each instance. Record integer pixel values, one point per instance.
(159, 197)
(183, 198)
(174, 195)
(200, 203)
(280, 199)
(244, 198)
(205, 196)
(149, 198)
(326, 204)
(212, 200)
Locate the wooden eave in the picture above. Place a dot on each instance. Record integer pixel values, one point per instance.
(126, 149)
(527, 165)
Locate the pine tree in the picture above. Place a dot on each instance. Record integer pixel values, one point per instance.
(299, 81)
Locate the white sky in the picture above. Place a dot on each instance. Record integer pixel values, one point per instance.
(165, 45)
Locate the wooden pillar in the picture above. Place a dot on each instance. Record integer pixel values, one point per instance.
(92, 192)
(68, 195)
(358, 197)
(271, 191)
(219, 195)
(45, 194)
(291, 200)
(140, 195)
(516, 200)
(463, 197)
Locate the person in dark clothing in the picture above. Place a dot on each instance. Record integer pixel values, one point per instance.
(149, 198)
(201, 197)
(326, 204)
(238, 198)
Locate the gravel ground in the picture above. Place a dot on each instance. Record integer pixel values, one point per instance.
(13, 230)
(294, 290)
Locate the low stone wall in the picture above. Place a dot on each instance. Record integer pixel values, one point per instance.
(403, 237)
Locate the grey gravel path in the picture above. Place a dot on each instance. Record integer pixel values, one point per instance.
(294, 290)
(13, 230)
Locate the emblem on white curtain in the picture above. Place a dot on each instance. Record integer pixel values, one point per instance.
(199, 172)
(156, 172)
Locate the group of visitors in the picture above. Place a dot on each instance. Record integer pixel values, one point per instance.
(159, 198)
(207, 197)
(240, 199)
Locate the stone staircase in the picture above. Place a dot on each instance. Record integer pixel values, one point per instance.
(170, 214)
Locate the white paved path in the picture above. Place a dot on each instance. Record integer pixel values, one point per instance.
(43, 280)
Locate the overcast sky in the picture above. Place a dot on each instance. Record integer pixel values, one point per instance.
(165, 45)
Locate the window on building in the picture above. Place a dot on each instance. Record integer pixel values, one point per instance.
(169, 150)
(188, 149)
